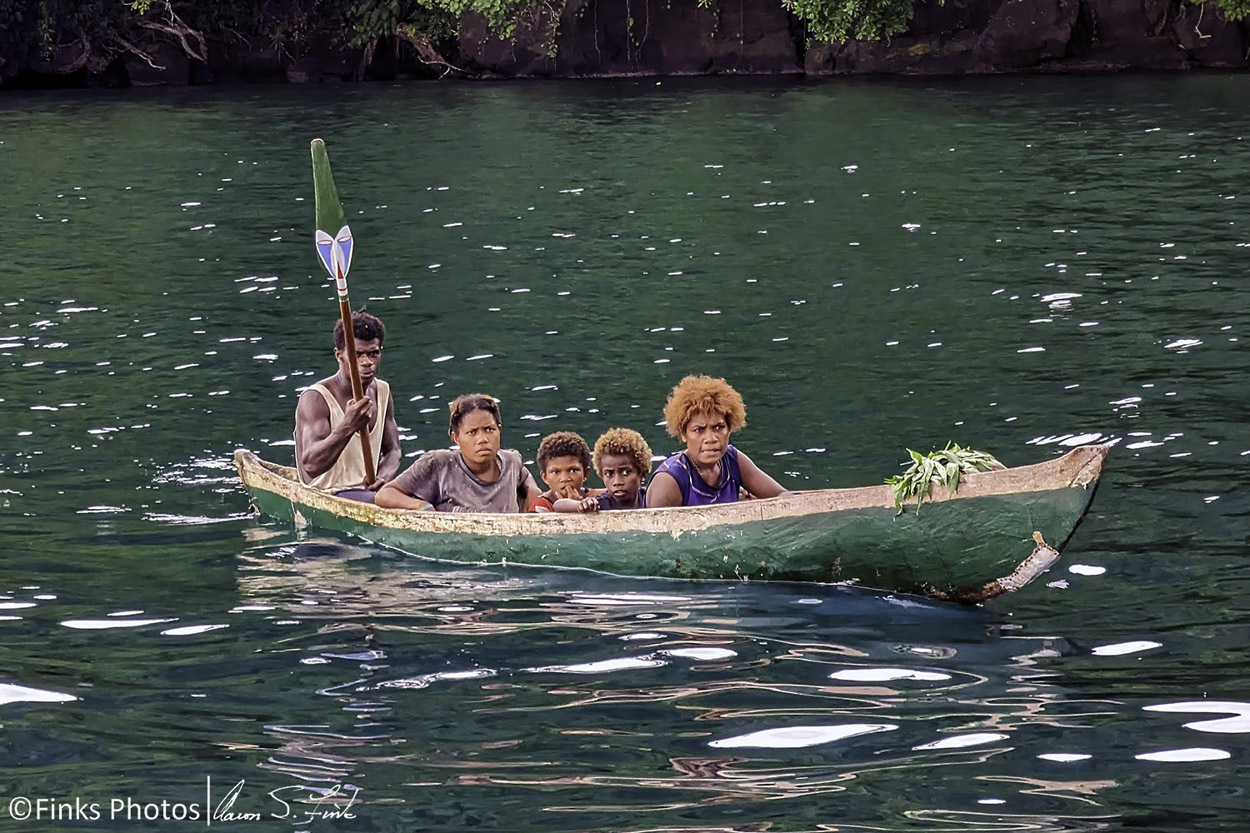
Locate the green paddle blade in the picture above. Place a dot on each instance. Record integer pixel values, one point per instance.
(333, 237)
(329, 210)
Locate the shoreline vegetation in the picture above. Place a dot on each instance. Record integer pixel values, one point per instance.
(118, 43)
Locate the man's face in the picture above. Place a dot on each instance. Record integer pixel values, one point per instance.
(368, 359)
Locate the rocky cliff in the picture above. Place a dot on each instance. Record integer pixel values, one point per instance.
(597, 38)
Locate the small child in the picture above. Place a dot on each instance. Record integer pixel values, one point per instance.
(623, 460)
(564, 463)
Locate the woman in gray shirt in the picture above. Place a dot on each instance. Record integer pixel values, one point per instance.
(474, 477)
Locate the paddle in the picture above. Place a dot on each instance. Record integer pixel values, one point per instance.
(334, 246)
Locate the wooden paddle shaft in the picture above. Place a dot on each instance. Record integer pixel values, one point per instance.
(358, 391)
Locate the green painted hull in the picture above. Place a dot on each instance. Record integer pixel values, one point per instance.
(960, 547)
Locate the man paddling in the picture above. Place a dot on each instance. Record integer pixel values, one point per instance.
(328, 453)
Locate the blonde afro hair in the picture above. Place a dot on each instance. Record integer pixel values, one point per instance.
(624, 441)
(703, 395)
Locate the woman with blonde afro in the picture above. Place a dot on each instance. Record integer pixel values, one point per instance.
(702, 412)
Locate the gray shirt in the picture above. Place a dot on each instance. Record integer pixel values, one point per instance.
(442, 478)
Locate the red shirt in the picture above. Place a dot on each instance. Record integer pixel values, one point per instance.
(547, 499)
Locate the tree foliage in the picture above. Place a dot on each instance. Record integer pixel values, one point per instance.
(1234, 10)
(835, 21)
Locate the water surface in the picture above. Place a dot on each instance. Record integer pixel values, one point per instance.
(1017, 264)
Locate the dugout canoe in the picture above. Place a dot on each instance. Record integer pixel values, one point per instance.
(981, 542)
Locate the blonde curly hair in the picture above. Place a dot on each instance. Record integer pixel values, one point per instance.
(625, 441)
(703, 395)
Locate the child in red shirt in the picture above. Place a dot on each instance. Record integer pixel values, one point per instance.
(564, 464)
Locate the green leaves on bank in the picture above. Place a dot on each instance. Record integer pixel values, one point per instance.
(1233, 10)
(945, 467)
(837, 21)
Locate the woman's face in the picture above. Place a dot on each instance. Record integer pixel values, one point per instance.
(706, 437)
(477, 436)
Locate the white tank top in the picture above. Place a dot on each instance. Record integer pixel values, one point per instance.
(348, 471)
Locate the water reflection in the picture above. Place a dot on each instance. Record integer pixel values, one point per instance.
(734, 699)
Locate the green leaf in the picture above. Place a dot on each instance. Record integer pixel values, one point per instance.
(946, 466)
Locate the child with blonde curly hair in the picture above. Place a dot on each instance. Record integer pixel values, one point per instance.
(623, 460)
(702, 412)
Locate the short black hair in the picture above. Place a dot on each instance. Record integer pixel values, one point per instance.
(563, 444)
(462, 406)
(365, 327)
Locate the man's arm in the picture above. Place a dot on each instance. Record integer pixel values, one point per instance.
(317, 448)
(388, 466)
(755, 481)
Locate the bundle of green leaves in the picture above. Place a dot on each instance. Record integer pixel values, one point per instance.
(945, 467)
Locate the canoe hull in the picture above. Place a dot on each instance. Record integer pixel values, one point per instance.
(952, 547)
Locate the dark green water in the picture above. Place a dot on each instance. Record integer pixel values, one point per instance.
(1017, 264)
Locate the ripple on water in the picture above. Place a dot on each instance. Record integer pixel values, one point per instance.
(1238, 723)
(963, 741)
(706, 654)
(1064, 757)
(798, 737)
(886, 674)
(606, 666)
(12, 693)
(1193, 754)
(109, 624)
(192, 630)
(1120, 649)
(425, 680)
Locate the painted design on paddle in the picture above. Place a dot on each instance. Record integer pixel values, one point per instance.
(336, 256)
(334, 248)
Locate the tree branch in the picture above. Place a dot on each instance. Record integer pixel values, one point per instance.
(192, 42)
(426, 52)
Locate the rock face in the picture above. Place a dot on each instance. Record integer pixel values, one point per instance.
(758, 37)
(1024, 33)
(597, 38)
(640, 37)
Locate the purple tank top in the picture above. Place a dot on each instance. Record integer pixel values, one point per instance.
(608, 503)
(694, 490)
